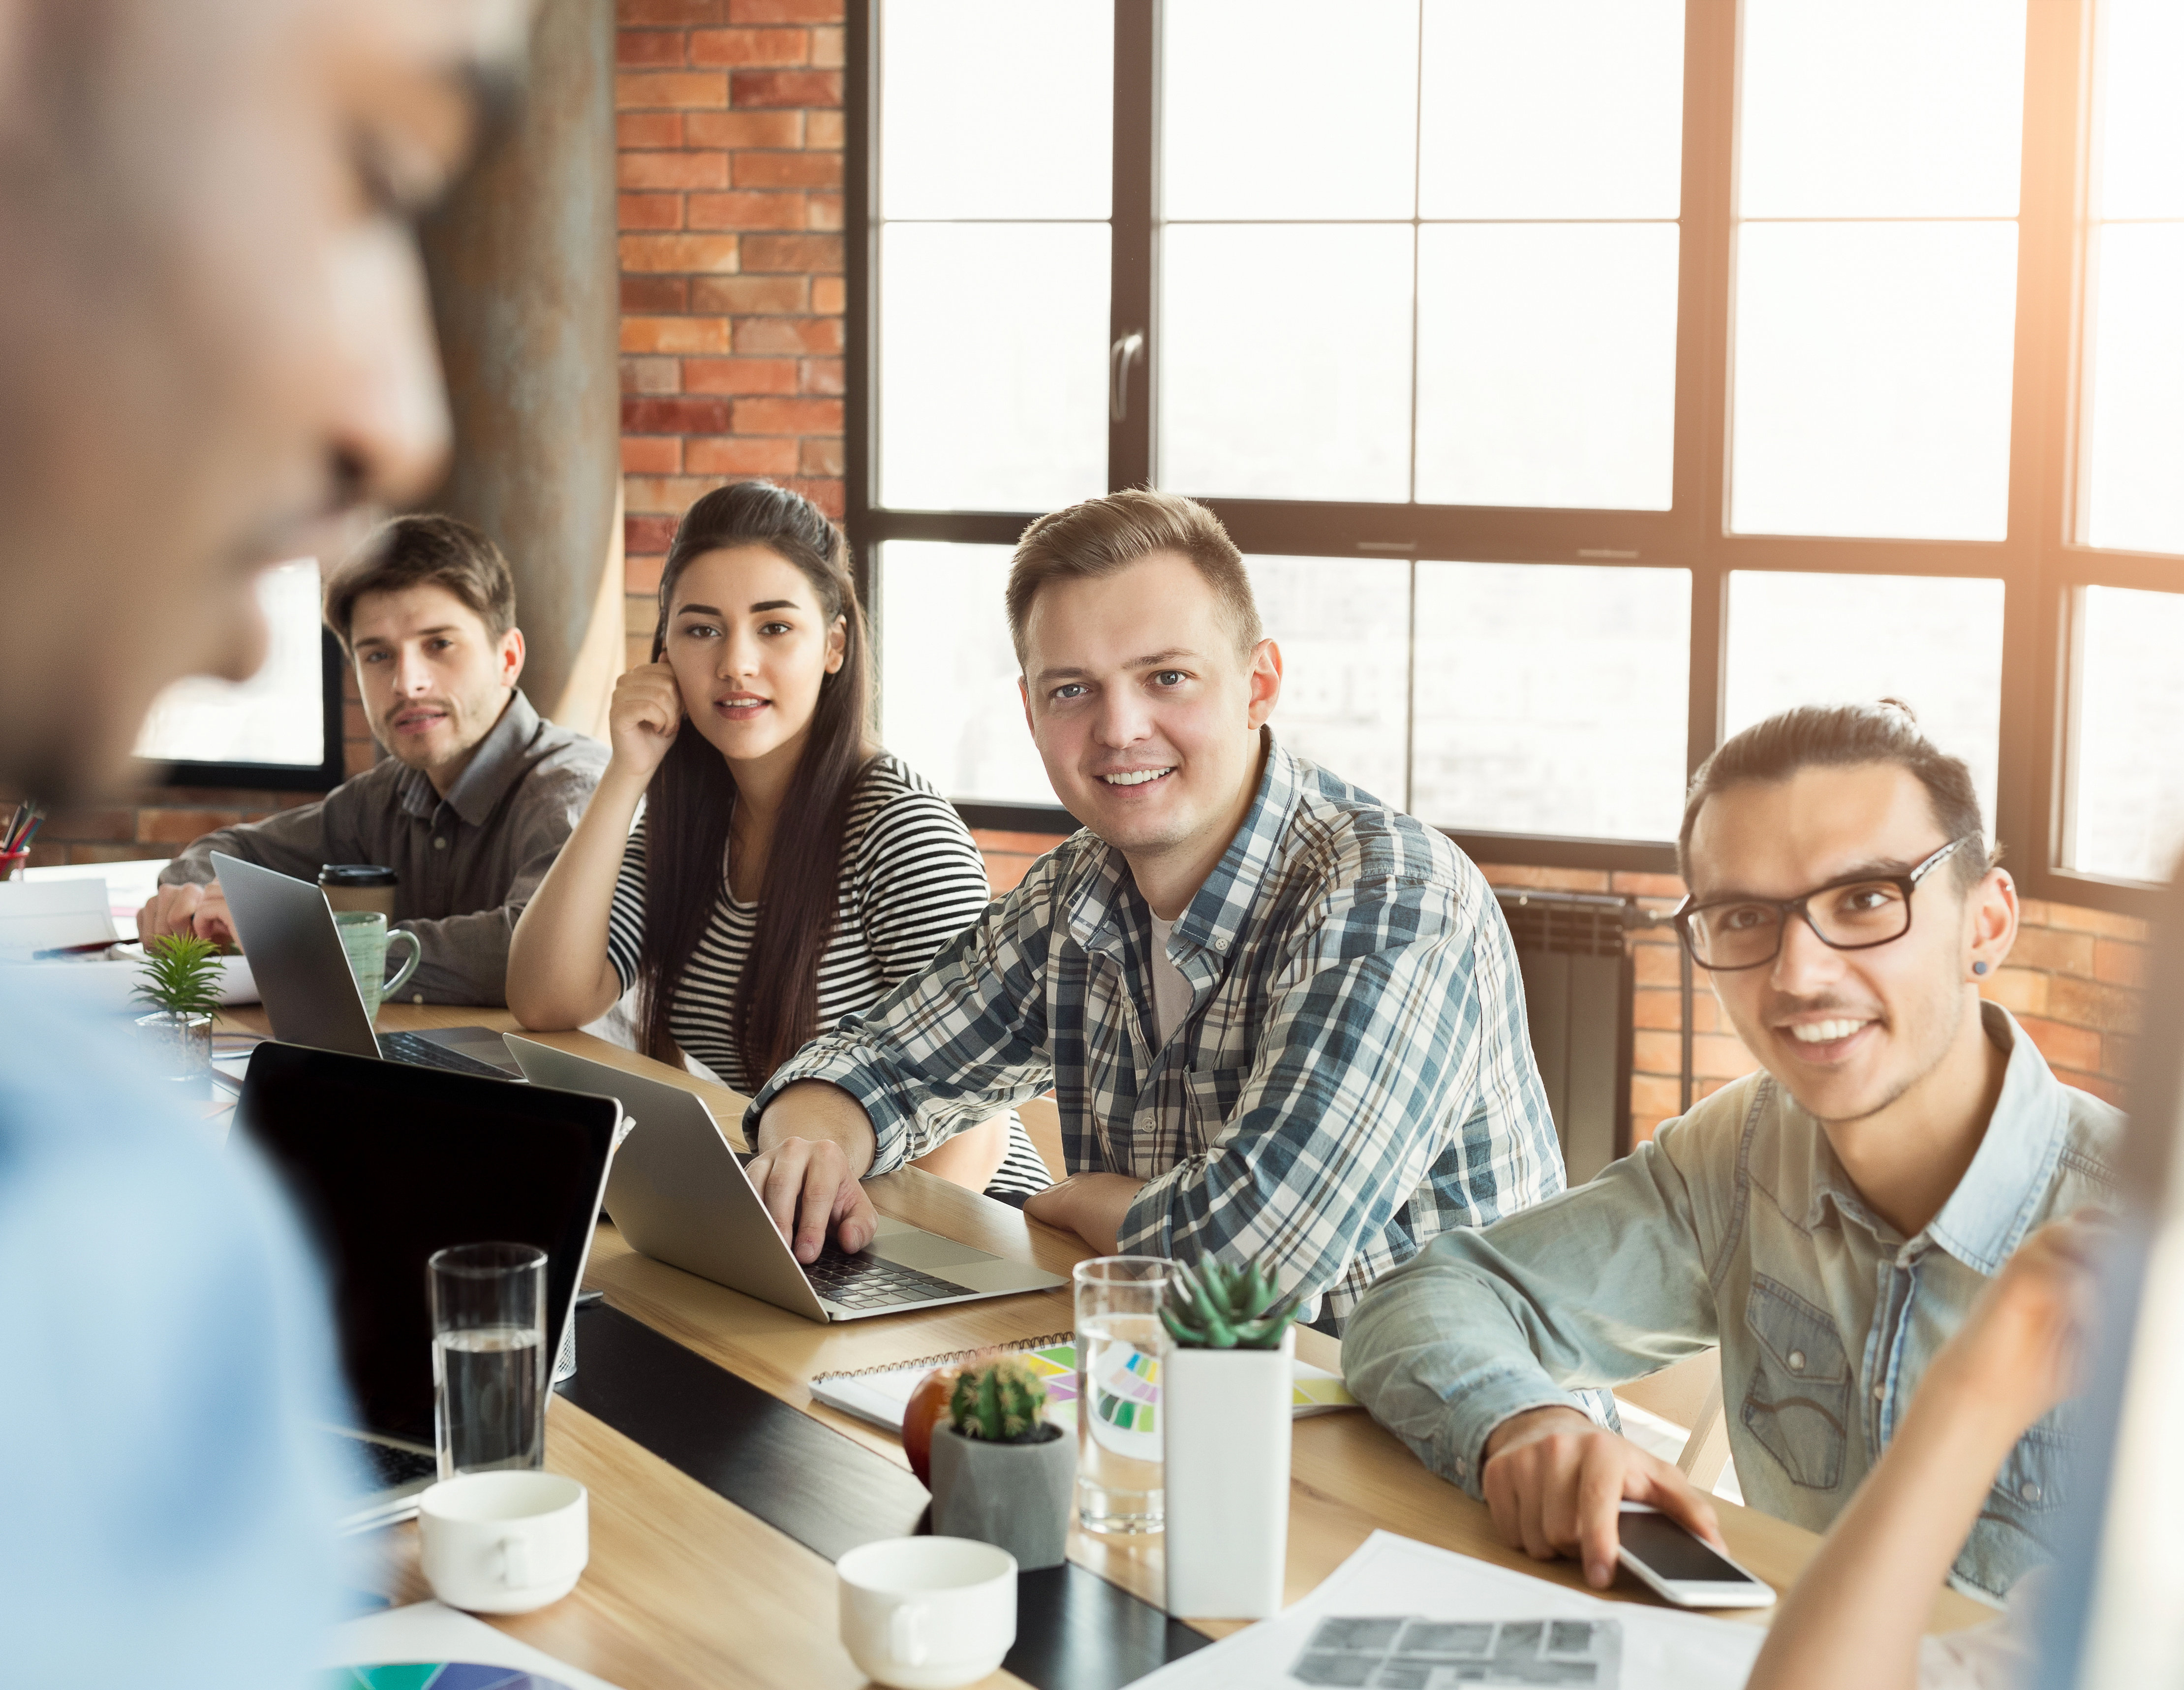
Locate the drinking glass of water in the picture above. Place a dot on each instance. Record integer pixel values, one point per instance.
(1119, 1343)
(488, 1358)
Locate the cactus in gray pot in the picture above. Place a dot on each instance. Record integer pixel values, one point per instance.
(1001, 1401)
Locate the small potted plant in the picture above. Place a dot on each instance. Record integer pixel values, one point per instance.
(1001, 1473)
(1225, 1395)
(181, 978)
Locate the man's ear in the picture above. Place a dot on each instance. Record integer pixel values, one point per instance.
(1024, 692)
(1266, 684)
(511, 657)
(1991, 915)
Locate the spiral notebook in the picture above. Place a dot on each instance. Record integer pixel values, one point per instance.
(1130, 1399)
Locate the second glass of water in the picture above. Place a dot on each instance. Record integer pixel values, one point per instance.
(1119, 1343)
(488, 1358)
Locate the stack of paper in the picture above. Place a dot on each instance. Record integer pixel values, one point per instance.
(1400, 1612)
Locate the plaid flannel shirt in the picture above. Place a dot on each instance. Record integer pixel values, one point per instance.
(1353, 1076)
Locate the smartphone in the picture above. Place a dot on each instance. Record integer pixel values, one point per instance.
(1678, 1568)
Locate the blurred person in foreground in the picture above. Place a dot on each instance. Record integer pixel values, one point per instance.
(213, 345)
(477, 793)
(1857, 1612)
(1828, 1221)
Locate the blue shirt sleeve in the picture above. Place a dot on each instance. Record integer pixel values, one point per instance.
(167, 1347)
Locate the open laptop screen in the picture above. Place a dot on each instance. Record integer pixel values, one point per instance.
(390, 1163)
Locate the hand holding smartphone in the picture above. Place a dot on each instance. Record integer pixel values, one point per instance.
(1678, 1567)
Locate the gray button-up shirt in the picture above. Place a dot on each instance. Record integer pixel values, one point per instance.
(468, 862)
(1737, 1226)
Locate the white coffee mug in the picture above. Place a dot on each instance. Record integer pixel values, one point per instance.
(928, 1613)
(503, 1543)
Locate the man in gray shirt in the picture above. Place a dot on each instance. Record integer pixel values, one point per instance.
(1828, 1222)
(477, 793)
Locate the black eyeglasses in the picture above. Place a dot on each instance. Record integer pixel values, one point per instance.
(1855, 914)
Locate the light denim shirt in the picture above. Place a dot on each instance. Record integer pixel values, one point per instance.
(1737, 1226)
(165, 1513)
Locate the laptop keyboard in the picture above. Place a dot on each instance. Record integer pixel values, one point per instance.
(867, 1282)
(371, 1466)
(423, 1053)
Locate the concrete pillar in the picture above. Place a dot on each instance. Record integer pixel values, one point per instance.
(526, 291)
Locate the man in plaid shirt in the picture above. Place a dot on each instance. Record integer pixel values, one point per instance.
(1280, 1016)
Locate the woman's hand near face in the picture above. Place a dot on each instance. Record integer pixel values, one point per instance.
(644, 717)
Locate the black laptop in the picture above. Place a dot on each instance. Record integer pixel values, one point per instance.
(388, 1163)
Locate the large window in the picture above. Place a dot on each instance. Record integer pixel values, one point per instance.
(1583, 381)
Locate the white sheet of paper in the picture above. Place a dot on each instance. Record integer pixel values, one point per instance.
(427, 1631)
(35, 915)
(1661, 1649)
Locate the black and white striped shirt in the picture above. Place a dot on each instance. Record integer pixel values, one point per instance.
(911, 880)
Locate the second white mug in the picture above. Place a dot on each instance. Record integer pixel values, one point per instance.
(928, 1613)
(503, 1543)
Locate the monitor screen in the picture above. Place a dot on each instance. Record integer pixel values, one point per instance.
(389, 1163)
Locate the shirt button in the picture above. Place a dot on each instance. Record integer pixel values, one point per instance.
(2028, 1491)
(419, 998)
(1220, 945)
(1796, 1361)
(439, 845)
(1879, 1392)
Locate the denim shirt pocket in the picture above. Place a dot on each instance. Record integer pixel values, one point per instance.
(1797, 1405)
(2015, 1530)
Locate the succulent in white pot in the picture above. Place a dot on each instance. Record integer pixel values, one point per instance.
(1225, 1394)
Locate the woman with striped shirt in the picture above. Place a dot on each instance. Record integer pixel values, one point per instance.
(786, 871)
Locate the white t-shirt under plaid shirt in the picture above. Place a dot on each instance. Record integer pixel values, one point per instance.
(1352, 1077)
(911, 878)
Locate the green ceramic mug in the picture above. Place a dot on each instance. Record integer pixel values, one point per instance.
(365, 937)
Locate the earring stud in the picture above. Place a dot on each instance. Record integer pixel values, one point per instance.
(1979, 968)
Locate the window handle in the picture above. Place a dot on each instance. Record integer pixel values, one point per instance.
(1127, 350)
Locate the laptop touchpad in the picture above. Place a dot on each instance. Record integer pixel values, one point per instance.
(928, 1252)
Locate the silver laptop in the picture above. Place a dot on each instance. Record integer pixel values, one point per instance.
(678, 1194)
(310, 996)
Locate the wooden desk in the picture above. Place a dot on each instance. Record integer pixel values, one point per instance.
(687, 1588)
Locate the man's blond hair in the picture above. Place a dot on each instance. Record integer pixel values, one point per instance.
(1102, 536)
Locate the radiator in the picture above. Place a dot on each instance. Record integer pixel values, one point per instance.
(1577, 1000)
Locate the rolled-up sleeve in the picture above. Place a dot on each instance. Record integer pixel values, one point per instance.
(955, 1043)
(1592, 1288)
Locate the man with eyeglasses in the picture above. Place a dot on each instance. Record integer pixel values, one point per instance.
(1828, 1222)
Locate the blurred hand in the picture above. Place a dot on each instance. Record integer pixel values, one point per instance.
(1556, 1484)
(2022, 1349)
(643, 717)
(200, 910)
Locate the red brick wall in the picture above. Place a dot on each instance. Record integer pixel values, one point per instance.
(729, 120)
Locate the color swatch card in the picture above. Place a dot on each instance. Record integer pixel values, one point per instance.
(1126, 1387)
(428, 1647)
